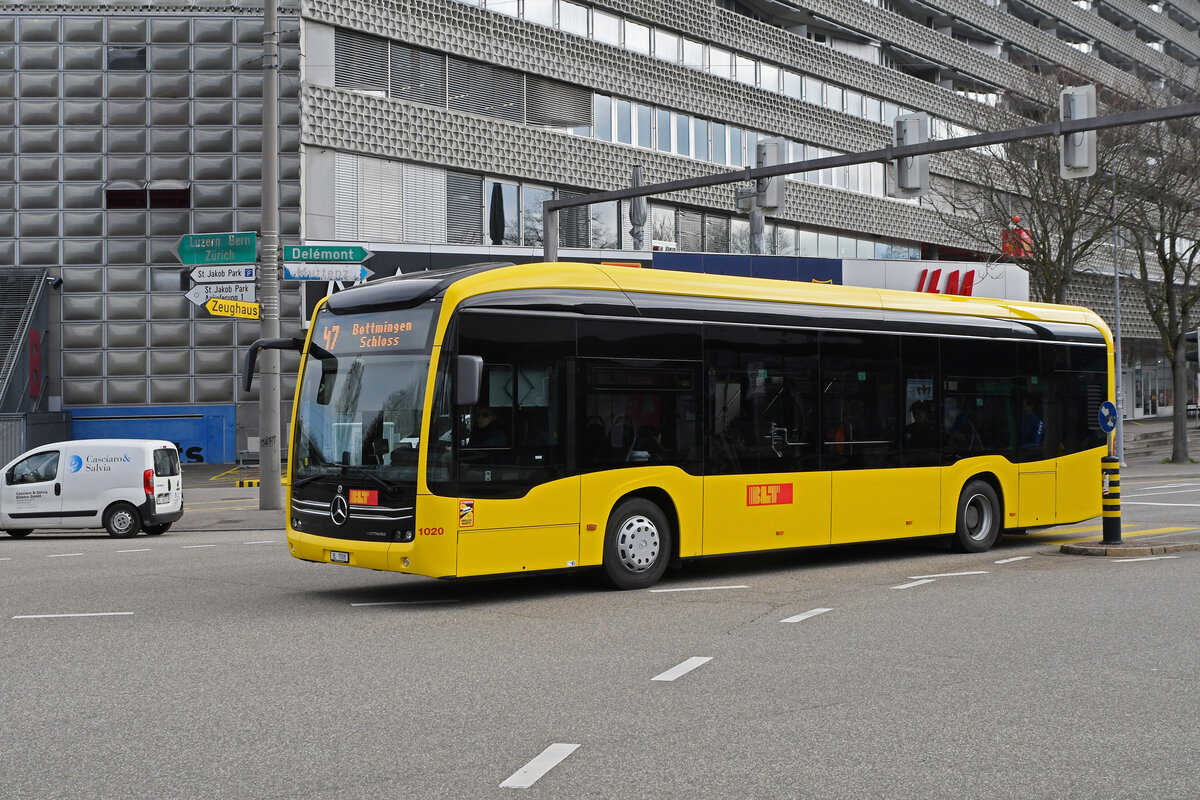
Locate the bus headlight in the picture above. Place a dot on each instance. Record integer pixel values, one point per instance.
(406, 536)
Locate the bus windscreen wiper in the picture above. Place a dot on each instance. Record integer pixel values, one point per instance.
(375, 479)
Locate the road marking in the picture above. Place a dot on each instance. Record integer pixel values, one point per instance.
(401, 603)
(139, 550)
(701, 588)
(1168, 505)
(1142, 558)
(1149, 532)
(529, 774)
(264, 541)
(682, 669)
(949, 574)
(1154, 494)
(914, 583)
(194, 546)
(64, 615)
(1011, 560)
(63, 555)
(5, 559)
(807, 615)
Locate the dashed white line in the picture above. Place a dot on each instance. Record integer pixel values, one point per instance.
(682, 669)
(65, 615)
(264, 541)
(63, 555)
(914, 583)
(949, 574)
(701, 588)
(1141, 558)
(529, 774)
(1011, 560)
(194, 546)
(807, 615)
(138, 550)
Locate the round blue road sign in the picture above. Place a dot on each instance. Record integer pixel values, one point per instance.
(1108, 416)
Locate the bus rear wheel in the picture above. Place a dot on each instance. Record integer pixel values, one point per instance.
(978, 521)
(637, 544)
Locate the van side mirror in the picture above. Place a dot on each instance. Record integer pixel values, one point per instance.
(468, 379)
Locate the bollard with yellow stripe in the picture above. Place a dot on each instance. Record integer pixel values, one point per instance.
(1110, 470)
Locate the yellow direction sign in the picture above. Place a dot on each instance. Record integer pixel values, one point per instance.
(231, 308)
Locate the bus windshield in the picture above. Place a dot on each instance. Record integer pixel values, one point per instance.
(361, 396)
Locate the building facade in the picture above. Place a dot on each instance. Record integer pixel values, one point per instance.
(432, 131)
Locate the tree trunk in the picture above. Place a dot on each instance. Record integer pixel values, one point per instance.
(1179, 377)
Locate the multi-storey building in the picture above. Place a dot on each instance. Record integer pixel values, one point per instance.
(432, 130)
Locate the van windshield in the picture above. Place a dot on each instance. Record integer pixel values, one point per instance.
(166, 463)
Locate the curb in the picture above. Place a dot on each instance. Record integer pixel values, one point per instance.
(1127, 549)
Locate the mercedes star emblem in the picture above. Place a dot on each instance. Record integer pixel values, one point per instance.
(339, 510)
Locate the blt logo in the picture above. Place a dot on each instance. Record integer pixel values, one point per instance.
(769, 494)
(956, 282)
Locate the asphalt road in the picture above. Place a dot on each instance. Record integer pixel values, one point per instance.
(207, 663)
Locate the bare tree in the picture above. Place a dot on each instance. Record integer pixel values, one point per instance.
(1063, 223)
(1160, 183)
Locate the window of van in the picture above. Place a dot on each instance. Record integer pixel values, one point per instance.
(35, 469)
(166, 463)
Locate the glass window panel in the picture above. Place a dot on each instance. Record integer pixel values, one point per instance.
(883, 250)
(827, 245)
(602, 116)
(683, 134)
(502, 214)
(573, 18)
(839, 177)
(662, 223)
(540, 11)
(606, 28)
(624, 122)
(854, 103)
(637, 37)
(719, 146)
(847, 247)
(645, 126)
(693, 54)
(700, 140)
(745, 71)
(666, 46)
(735, 147)
(866, 248)
(664, 130)
(768, 77)
(808, 244)
(507, 7)
(852, 177)
(833, 97)
(739, 235)
(769, 238)
(877, 182)
(605, 224)
(872, 109)
(814, 91)
(860, 406)
(720, 62)
(533, 197)
(785, 241)
(793, 85)
(890, 110)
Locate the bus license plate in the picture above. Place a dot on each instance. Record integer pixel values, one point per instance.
(338, 557)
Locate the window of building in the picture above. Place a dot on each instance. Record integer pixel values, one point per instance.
(509, 8)
(624, 122)
(693, 55)
(744, 70)
(720, 146)
(605, 224)
(502, 214)
(645, 126)
(532, 198)
(683, 135)
(637, 37)
(666, 46)
(540, 12)
(573, 18)
(720, 62)
(602, 117)
(664, 130)
(606, 28)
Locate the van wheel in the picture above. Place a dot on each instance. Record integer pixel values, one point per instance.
(155, 530)
(20, 533)
(122, 521)
(637, 545)
(978, 521)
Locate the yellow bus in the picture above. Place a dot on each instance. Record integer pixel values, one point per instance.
(498, 419)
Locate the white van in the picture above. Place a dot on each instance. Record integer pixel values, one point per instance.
(122, 485)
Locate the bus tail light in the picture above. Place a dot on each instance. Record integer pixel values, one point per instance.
(148, 482)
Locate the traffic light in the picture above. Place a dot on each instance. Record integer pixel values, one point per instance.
(1077, 151)
(912, 173)
(772, 192)
(1191, 349)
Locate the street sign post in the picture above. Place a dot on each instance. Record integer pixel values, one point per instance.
(232, 308)
(326, 253)
(217, 248)
(223, 274)
(325, 272)
(201, 293)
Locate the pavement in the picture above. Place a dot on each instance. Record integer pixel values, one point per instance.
(226, 496)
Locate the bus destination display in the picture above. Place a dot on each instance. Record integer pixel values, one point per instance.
(371, 333)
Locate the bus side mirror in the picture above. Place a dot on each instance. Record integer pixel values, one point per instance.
(468, 378)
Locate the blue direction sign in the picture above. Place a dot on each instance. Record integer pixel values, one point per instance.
(326, 253)
(1108, 416)
(325, 272)
(196, 249)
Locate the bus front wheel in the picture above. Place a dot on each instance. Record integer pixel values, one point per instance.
(978, 521)
(637, 544)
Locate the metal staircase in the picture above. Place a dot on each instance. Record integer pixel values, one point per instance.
(20, 295)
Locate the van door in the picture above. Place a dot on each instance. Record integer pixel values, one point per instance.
(31, 496)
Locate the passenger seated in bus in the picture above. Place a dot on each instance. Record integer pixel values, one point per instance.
(486, 430)
(920, 432)
(1032, 428)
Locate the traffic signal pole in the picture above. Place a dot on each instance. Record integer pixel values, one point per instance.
(270, 491)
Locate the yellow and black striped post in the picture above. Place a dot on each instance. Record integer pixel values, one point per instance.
(1110, 470)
